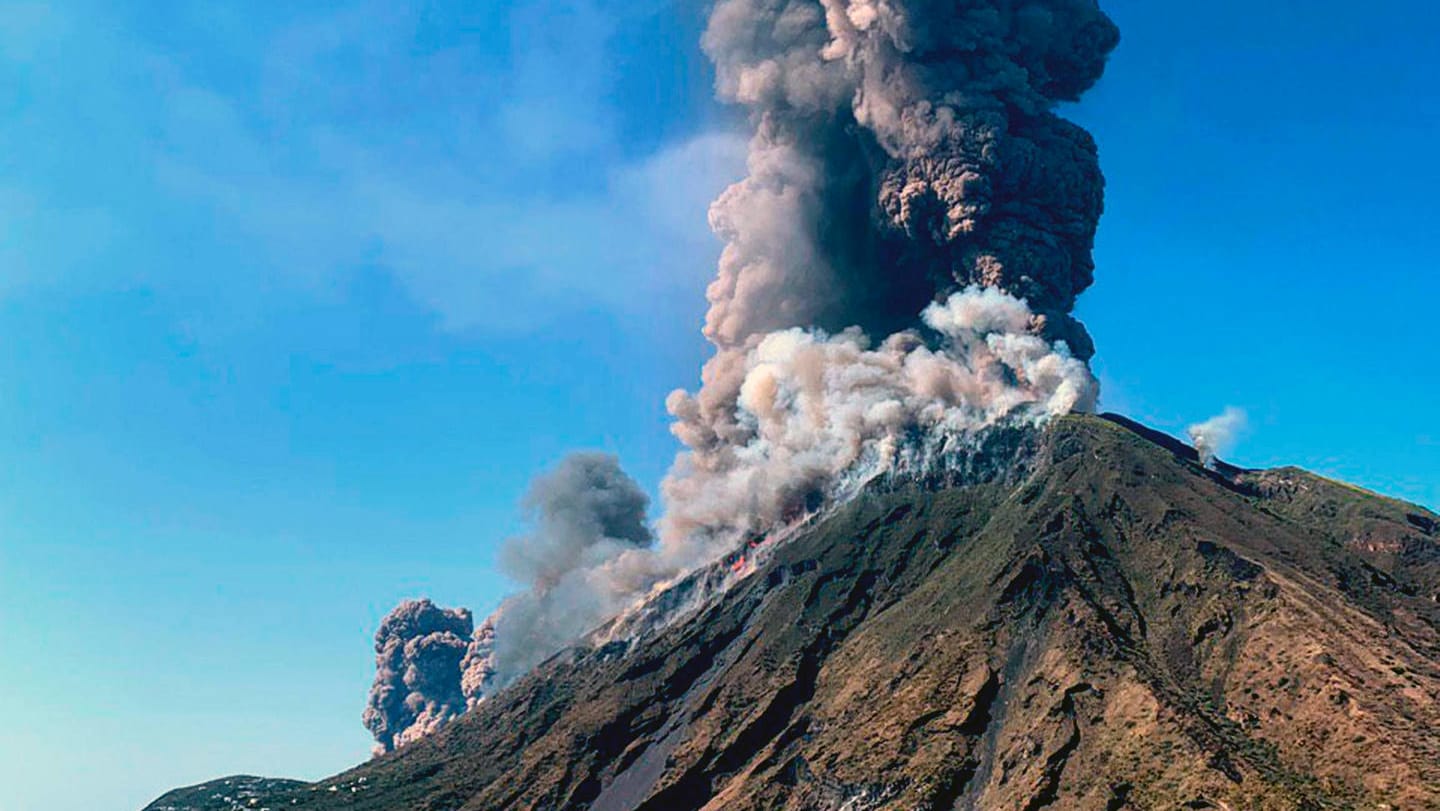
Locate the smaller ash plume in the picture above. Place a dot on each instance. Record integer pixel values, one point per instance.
(586, 511)
(418, 650)
(1217, 435)
(577, 562)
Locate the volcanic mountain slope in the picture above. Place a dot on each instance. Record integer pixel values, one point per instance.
(1109, 626)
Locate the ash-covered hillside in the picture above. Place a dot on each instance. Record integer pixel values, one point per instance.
(1114, 626)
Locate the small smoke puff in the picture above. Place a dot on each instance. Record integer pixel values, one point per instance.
(980, 310)
(1217, 435)
(418, 650)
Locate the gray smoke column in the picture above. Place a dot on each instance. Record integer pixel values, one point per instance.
(418, 650)
(905, 149)
(589, 525)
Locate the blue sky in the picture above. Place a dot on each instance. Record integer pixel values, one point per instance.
(294, 303)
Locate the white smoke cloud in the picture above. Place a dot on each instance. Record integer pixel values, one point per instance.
(1218, 434)
(812, 407)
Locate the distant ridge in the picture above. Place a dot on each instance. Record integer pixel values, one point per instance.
(241, 792)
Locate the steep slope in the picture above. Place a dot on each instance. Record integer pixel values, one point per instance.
(1109, 626)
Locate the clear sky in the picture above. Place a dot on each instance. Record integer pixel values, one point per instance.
(293, 304)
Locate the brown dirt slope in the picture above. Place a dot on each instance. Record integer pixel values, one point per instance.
(1117, 628)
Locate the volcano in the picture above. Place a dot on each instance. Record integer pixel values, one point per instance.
(1100, 622)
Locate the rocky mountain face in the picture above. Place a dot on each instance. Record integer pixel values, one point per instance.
(1111, 627)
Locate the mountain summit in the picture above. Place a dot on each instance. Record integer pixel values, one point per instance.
(1103, 624)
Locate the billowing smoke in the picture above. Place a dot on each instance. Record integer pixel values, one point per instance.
(899, 271)
(818, 410)
(417, 672)
(1217, 435)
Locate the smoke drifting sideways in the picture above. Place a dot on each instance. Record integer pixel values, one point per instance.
(898, 275)
(1217, 435)
(825, 409)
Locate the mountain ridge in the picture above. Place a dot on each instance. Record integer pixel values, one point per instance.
(1114, 626)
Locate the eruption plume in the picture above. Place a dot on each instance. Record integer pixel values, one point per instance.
(898, 275)
(905, 153)
(904, 149)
